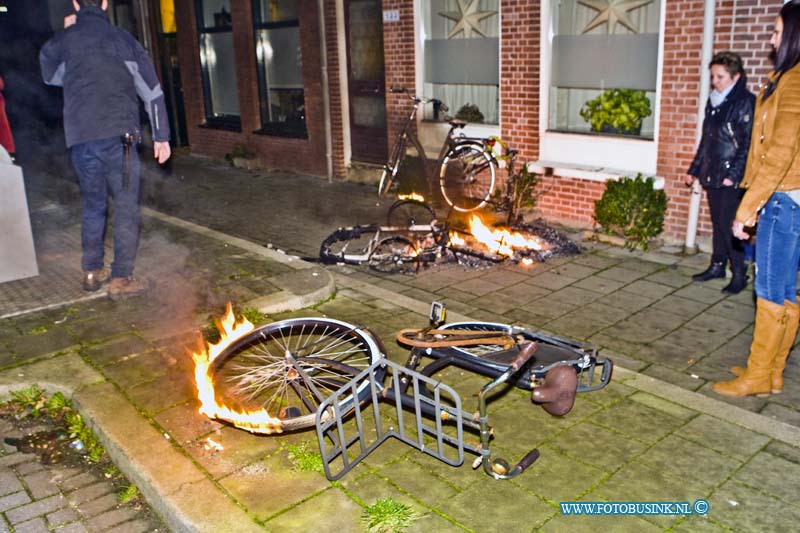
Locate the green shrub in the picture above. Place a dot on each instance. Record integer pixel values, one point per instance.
(469, 113)
(633, 209)
(621, 110)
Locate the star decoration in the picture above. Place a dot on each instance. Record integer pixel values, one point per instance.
(613, 12)
(467, 19)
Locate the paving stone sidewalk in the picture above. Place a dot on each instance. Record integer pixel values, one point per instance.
(655, 434)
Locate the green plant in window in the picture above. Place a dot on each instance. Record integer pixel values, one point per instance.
(469, 113)
(633, 209)
(617, 111)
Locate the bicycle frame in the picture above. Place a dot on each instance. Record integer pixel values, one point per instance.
(431, 400)
(407, 134)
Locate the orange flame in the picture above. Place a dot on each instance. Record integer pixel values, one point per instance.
(501, 241)
(413, 196)
(254, 421)
(456, 239)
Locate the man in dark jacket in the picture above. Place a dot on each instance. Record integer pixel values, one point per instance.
(102, 70)
(720, 162)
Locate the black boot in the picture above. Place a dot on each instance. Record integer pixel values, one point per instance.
(716, 270)
(738, 282)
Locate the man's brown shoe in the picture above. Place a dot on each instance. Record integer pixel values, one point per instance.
(94, 279)
(126, 287)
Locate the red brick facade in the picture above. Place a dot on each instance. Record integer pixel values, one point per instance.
(741, 25)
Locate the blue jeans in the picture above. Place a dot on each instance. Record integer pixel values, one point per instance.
(100, 166)
(778, 249)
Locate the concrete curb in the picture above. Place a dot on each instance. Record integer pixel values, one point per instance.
(179, 492)
(173, 485)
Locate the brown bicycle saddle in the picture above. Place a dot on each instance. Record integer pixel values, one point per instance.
(557, 394)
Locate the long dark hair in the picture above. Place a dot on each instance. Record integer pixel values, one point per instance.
(788, 53)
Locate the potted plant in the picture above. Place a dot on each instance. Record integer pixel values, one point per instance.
(617, 111)
(242, 157)
(469, 113)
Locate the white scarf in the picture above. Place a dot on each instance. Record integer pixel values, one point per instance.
(718, 97)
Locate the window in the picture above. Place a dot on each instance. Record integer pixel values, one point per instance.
(604, 53)
(461, 57)
(280, 68)
(600, 73)
(217, 64)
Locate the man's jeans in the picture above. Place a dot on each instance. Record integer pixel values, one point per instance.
(100, 166)
(778, 249)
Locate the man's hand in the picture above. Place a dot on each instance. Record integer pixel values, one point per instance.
(688, 180)
(739, 232)
(727, 182)
(161, 151)
(69, 20)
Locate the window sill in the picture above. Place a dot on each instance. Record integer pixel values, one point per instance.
(222, 124)
(270, 132)
(603, 174)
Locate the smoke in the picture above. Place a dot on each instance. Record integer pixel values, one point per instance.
(176, 295)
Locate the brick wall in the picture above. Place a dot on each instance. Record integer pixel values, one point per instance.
(741, 26)
(305, 155)
(520, 23)
(334, 90)
(399, 64)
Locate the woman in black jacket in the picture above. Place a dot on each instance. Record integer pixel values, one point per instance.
(720, 161)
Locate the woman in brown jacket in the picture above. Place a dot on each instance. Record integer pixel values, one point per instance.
(772, 179)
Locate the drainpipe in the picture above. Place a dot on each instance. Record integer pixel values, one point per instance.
(705, 83)
(326, 102)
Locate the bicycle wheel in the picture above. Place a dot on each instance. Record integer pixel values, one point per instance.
(389, 173)
(466, 177)
(289, 367)
(348, 245)
(407, 213)
(395, 255)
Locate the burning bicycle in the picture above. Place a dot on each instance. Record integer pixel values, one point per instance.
(334, 376)
(413, 237)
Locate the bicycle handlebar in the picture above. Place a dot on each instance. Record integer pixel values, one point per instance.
(420, 99)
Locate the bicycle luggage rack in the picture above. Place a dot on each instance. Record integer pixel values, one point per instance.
(347, 435)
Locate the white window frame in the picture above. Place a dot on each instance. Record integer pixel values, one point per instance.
(432, 134)
(594, 153)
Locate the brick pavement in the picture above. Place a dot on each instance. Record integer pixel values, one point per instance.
(38, 498)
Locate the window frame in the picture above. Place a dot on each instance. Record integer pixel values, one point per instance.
(431, 133)
(262, 86)
(595, 151)
(224, 122)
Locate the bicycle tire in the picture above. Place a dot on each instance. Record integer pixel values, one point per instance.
(395, 255)
(551, 350)
(336, 248)
(255, 370)
(467, 177)
(407, 213)
(391, 167)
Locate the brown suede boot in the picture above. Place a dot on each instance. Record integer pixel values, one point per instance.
(120, 288)
(767, 339)
(776, 376)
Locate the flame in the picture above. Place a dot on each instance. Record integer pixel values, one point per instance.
(413, 196)
(527, 261)
(456, 239)
(501, 241)
(254, 421)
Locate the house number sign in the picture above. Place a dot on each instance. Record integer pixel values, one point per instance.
(391, 15)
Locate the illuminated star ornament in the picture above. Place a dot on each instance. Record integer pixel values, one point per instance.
(612, 12)
(467, 19)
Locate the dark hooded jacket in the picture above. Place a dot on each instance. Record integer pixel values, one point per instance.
(726, 139)
(102, 69)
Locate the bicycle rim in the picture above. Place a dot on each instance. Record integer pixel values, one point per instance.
(466, 177)
(348, 245)
(407, 213)
(395, 255)
(289, 367)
